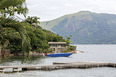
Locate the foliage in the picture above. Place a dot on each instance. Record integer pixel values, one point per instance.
(33, 21)
(11, 7)
(71, 48)
(24, 35)
(68, 50)
(48, 51)
(10, 26)
(36, 38)
(68, 40)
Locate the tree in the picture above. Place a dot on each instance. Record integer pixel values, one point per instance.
(33, 21)
(68, 40)
(10, 8)
(27, 33)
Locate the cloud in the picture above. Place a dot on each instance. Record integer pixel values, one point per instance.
(51, 9)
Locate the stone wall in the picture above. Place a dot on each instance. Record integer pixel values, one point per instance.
(58, 49)
(4, 52)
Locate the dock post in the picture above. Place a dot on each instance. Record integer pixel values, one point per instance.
(12, 70)
(3, 70)
(98, 65)
(86, 66)
(17, 69)
(114, 65)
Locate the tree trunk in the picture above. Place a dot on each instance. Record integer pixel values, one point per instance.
(0, 53)
(0, 47)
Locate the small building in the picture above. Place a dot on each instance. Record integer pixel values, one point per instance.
(58, 47)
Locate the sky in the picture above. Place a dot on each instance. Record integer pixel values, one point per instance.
(52, 9)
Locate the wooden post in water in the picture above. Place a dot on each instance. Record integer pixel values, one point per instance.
(3, 70)
(17, 69)
(86, 66)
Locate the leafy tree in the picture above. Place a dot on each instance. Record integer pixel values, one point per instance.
(33, 21)
(68, 40)
(25, 35)
(9, 8)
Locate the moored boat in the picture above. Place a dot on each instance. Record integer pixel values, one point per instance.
(59, 55)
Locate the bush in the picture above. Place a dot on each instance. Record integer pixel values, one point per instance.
(48, 50)
(68, 50)
(72, 48)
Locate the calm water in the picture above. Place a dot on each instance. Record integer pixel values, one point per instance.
(99, 53)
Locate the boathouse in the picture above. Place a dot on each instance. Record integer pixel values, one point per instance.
(58, 47)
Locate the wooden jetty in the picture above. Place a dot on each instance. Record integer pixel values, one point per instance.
(56, 66)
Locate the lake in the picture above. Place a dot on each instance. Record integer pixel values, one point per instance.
(97, 53)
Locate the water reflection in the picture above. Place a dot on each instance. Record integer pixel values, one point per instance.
(19, 60)
(94, 72)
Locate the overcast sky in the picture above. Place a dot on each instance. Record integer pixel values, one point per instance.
(51, 9)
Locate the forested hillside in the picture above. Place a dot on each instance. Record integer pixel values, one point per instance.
(85, 27)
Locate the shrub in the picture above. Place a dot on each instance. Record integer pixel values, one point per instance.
(72, 48)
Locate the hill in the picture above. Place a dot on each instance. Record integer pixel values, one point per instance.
(85, 27)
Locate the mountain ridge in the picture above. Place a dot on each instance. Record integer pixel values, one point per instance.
(85, 27)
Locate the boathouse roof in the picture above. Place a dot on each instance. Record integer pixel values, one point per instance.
(56, 42)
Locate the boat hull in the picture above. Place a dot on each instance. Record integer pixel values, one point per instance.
(59, 55)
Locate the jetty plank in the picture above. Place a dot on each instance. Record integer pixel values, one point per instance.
(58, 65)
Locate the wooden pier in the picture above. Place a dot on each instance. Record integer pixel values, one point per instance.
(56, 66)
